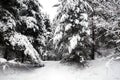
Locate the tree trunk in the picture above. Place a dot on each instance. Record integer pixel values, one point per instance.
(93, 44)
(23, 58)
(6, 53)
(93, 39)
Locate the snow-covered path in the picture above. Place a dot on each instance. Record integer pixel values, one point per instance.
(53, 70)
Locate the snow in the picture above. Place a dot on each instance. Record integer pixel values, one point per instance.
(22, 41)
(2, 61)
(64, 16)
(76, 21)
(10, 24)
(42, 40)
(57, 29)
(48, 7)
(87, 5)
(118, 41)
(84, 22)
(57, 38)
(67, 27)
(88, 31)
(53, 70)
(30, 22)
(78, 10)
(85, 16)
(73, 42)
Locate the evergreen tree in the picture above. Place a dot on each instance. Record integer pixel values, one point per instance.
(104, 22)
(21, 24)
(43, 39)
(72, 29)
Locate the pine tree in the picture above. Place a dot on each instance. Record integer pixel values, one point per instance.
(43, 40)
(21, 24)
(72, 30)
(105, 21)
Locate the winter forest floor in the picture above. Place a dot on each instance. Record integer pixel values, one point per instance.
(54, 70)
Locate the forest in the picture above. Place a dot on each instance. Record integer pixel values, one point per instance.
(84, 35)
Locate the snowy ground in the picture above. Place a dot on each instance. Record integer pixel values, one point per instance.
(53, 70)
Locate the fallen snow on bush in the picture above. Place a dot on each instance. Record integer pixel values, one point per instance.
(22, 41)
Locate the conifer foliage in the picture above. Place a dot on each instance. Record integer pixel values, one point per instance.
(20, 24)
(72, 30)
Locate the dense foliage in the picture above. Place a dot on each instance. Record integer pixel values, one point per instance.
(104, 22)
(21, 24)
(83, 27)
(79, 31)
(72, 32)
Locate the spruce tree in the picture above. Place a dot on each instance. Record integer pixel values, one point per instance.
(21, 23)
(72, 31)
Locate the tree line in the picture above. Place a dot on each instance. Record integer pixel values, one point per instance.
(78, 32)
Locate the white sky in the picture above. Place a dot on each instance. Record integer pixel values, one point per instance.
(48, 7)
